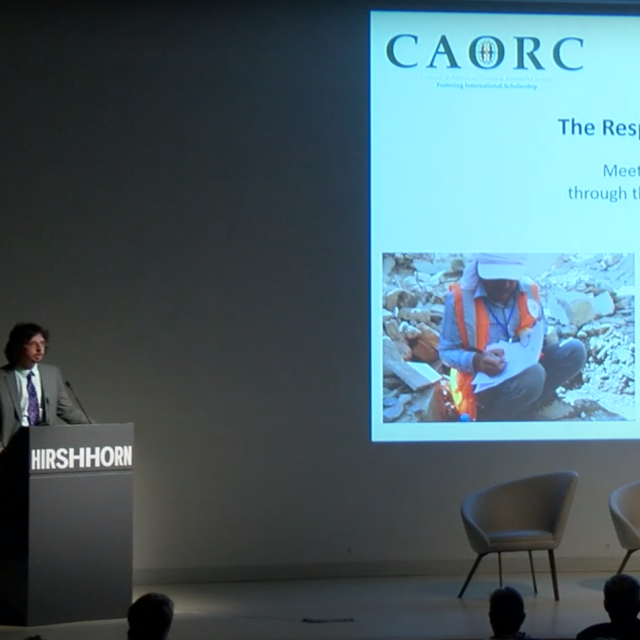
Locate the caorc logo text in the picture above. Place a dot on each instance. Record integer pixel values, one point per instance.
(405, 50)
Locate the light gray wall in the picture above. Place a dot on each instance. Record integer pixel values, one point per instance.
(184, 198)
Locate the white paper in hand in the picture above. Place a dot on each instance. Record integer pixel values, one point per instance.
(518, 357)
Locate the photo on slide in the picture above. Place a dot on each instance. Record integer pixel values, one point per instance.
(517, 337)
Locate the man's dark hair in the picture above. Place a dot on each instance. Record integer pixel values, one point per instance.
(150, 617)
(622, 597)
(19, 337)
(506, 611)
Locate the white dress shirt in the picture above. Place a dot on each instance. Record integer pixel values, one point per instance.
(21, 379)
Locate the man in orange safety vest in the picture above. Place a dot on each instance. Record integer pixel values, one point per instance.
(494, 302)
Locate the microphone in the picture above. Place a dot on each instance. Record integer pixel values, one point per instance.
(46, 415)
(75, 395)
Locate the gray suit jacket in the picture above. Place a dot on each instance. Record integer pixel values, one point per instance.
(55, 401)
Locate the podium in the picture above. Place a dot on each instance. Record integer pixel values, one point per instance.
(66, 520)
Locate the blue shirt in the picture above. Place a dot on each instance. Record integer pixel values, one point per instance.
(501, 317)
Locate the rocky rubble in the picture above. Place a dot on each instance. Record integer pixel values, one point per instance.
(587, 296)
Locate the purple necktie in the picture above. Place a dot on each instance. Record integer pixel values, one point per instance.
(33, 411)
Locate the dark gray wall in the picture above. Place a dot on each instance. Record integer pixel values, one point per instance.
(184, 198)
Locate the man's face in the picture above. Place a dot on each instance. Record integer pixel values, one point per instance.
(499, 290)
(33, 351)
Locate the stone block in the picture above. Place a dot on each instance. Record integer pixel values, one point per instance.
(604, 304)
(578, 308)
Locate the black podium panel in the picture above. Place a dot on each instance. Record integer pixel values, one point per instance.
(66, 549)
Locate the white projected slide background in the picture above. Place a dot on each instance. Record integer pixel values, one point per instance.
(503, 135)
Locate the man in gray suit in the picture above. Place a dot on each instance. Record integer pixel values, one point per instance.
(32, 393)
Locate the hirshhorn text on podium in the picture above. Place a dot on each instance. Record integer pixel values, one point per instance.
(81, 458)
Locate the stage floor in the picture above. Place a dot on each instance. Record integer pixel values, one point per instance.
(410, 607)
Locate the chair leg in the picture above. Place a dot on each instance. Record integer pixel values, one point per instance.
(626, 559)
(533, 573)
(473, 570)
(500, 567)
(554, 577)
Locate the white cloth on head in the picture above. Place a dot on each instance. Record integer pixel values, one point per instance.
(508, 266)
(469, 280)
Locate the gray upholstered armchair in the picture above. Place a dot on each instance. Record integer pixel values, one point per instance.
(529, 514)
(624, 506)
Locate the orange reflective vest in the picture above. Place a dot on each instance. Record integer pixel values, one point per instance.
(473, 324)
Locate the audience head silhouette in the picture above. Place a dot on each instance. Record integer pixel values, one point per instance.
(506, 612)
(150, 617)
(622, 597)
